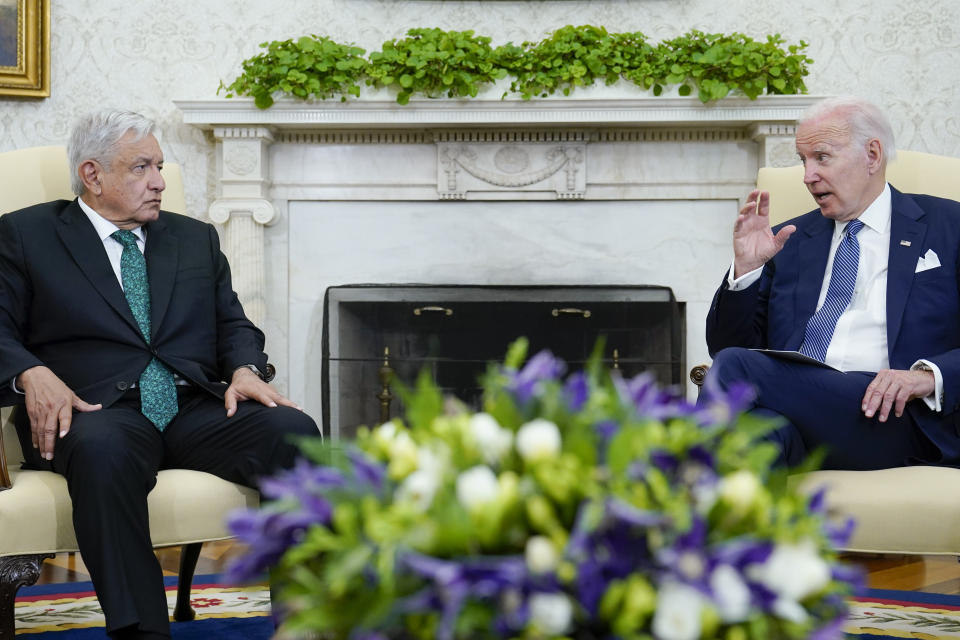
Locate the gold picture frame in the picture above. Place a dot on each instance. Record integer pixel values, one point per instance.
(25, 48)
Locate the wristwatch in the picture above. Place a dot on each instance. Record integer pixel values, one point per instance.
(252, 368)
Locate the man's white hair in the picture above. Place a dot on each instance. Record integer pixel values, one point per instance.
(95, 135)
(865, 119)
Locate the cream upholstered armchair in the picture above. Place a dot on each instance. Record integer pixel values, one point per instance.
(187, 508)
(910, 510)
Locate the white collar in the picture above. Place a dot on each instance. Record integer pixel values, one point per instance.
(877, 215)
(104, 227)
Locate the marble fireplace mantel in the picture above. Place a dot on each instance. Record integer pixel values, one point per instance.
(594, 148)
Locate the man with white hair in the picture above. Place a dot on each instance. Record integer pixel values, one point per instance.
(866, 284)
(127, 351)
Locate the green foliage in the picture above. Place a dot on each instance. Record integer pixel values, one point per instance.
(573, 57)
(309, 67)
(457, 64)
(717, 64)
(434, 62)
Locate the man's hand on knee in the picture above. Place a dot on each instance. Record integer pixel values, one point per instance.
(50, 405)
(893, 389)
(246, 385)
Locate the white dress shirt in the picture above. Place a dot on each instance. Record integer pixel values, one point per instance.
(104, 229)
(859, 341)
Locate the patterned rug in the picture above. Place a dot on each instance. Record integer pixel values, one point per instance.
(904, 614)
(73, 613)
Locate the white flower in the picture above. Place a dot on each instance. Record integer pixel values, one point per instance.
(793, 571)
(691, 565)
(493, 440)
(541, 555)
(731, 594)
(403, 456)
(552, 613)
(433, 459)
(385, 433)
(419, 488)
(790, 610)
(538, 439)
(476, 487)
(740, 490)
(679, 609)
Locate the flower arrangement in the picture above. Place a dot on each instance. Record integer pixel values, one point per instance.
(584, 506)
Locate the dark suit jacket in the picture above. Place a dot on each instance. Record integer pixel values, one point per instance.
(62, 306)
(923, 309)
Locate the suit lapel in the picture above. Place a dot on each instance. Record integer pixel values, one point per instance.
(813, 251)
(162, 255)
(86, 249)
(905, 226)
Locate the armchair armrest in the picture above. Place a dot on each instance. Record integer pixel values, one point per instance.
(698, 374)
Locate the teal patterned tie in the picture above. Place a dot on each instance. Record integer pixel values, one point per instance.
(158, 392)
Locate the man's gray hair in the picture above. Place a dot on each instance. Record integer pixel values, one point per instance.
(95, 135)
(866, 120)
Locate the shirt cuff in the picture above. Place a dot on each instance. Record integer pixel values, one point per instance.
(13, 385)
(743, 281)
(935, 399)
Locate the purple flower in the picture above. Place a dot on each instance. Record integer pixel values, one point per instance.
(650, 401)
(719, 406)
(302, 481)
(665, 461)
(628, 514)
(608, 543)
(699, 454)
(853, 575)
(818, 502)
(365, 470)
(833, 630)
(539, 368)
(455, 581)
(576, 391)
(268, 534)
(606, 428)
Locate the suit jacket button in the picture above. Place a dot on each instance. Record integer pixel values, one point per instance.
(123, 386)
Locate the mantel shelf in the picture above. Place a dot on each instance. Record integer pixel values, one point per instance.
(425, 113)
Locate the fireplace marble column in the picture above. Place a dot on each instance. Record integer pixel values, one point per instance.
(243, 208)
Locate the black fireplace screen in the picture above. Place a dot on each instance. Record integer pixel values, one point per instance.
(374, 331)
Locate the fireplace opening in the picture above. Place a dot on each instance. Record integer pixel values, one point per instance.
(374, 332)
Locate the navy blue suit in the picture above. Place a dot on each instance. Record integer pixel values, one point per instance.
(923, 310)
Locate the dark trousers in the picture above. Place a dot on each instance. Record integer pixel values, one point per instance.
(110, 460)
(821, 407)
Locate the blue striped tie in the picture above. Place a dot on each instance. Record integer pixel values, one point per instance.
(820, 327)
(158, 391)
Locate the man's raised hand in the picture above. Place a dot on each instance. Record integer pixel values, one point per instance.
(753, 240)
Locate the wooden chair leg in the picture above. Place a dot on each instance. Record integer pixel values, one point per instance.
(189, 555)
(15, 572)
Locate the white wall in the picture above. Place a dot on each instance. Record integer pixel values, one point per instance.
(142, 55)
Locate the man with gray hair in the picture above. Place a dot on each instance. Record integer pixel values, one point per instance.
(127, 351)
(867, 285)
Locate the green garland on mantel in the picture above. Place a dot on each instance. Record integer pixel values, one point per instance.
(457, 64)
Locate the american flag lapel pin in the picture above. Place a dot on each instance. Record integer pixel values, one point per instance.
(904, 243)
